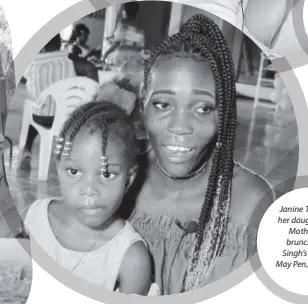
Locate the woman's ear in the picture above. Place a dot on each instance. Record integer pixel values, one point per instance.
(132, 173)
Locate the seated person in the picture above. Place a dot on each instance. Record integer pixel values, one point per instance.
(77, 44)
(80, 53)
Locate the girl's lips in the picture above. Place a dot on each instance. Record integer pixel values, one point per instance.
(90, 211)
(90, 207)
(178, 154)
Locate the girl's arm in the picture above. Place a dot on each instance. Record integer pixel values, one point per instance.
(135, 272)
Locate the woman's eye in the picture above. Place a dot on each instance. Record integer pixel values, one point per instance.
(73, 172)
(204, 110)
(108, 176)
(163, 106)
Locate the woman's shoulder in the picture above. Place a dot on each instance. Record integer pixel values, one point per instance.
(252, 195)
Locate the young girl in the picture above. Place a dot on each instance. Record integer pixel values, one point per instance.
(96, 165)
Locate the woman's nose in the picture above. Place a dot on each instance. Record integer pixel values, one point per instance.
(180, 124)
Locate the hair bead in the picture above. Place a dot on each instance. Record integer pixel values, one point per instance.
(104, 164)
(57, 152)
(60, 140)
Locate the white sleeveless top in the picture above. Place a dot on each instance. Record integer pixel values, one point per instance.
(99, 267)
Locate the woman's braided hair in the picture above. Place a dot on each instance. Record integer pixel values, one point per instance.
(201, 38)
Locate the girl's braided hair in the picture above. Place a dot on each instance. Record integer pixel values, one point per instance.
(200, 38)
(106, 117)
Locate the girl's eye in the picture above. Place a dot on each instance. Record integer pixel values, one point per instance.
(163, 106)
(108, 176)
(73, 172)
(204, 110)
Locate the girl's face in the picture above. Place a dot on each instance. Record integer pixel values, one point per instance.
(91, 198)
(180, 113)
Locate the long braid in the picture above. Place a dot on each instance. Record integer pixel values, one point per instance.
(75, 127)
(201, 36)
(104, 124)
(76, 115)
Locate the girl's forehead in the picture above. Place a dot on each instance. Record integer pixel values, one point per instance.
(182, 73)
(86, 144)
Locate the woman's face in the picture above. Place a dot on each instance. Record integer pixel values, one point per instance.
(83, 38)
(180, 113)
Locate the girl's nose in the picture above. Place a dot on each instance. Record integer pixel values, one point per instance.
(89, 189)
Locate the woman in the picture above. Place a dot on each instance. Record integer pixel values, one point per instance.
(197, 209)
(80, 53)
(128, 40)
(77, 44)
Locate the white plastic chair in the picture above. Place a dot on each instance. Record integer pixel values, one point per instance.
(67, 94)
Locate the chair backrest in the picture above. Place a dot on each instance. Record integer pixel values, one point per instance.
(68, 94)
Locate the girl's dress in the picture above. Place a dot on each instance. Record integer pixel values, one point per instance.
(172, 249)
(99, 267)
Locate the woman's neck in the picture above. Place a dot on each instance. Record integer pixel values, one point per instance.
(162, 182)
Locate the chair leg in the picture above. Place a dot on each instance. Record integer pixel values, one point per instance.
(45, 156)
(26, 121)
(22, 143)
(11, 149)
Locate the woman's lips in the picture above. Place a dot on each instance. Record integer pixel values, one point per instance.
(177, 154)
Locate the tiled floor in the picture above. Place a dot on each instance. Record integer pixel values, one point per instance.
(266, 145)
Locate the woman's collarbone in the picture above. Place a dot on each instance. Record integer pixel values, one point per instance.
(178, 204)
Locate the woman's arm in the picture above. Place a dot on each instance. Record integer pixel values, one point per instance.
(135, 272)
(112, 48)
(75, 51)
(94, 53)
